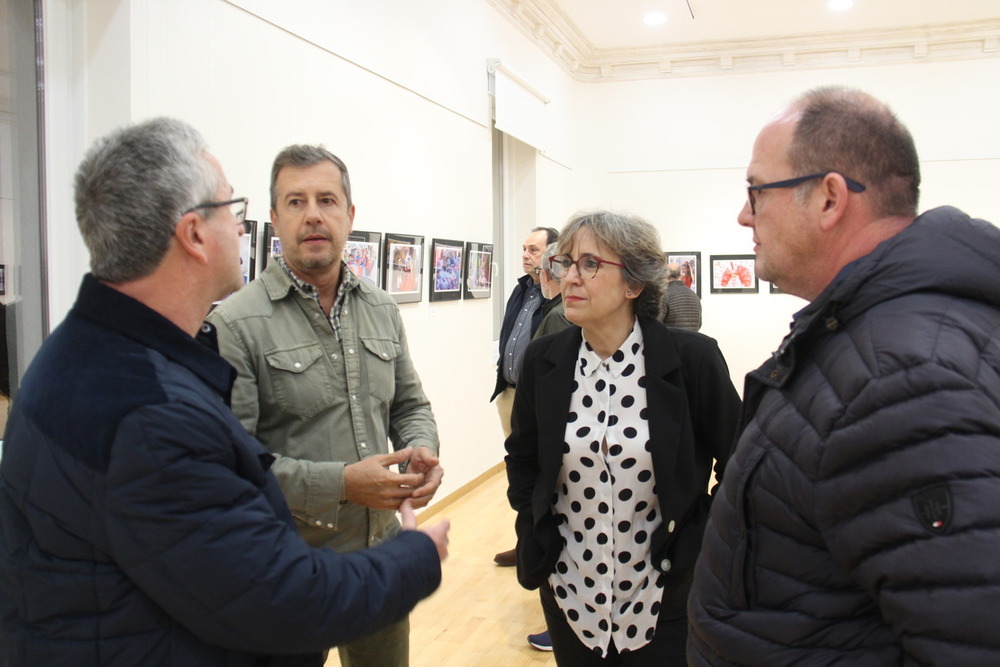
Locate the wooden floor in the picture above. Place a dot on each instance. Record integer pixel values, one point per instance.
(479, 615)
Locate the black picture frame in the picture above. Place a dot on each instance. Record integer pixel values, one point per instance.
(774, 289)
(3, 279)
(402, 267)
(734, 274)
(272, 245)
(363, 256)
(447, 268)
(690, 268)
(478, 283)
(248, 251)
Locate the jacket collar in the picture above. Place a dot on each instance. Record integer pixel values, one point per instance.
(942, 251)
(279, 284)
(118, 312)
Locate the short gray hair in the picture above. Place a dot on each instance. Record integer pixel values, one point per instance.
(551, 251)
(131, 189)
(636, 242)
(852, 133)
(303, 155)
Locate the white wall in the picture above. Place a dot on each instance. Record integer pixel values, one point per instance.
(676, 152)
(398, 89)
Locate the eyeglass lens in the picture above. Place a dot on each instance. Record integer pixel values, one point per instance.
(239, 209)
(586, 265)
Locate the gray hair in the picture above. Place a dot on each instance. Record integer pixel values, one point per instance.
(673, 271)
(132, 187)
(551, 251)
(856, 135)
(303, 155)
(636, 242)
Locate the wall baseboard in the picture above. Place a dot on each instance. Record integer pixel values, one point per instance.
(459, 493)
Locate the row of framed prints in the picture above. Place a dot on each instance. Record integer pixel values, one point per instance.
(395, 262)
(730, 274)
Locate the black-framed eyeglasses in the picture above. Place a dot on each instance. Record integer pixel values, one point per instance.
(237, 206)
(852, 185)
(587, 265)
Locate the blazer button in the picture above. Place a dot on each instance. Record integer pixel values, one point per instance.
(665, 565)
(671, 526)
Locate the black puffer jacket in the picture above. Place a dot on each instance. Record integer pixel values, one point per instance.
(859, 519)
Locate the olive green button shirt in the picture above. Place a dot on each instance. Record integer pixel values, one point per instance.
(319, 403)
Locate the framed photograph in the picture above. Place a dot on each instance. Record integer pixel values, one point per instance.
(363, 256)
(248, 252)
(272, 244)
(403, 266)
(733, 274)
(478, 270)
(690, 268)
(3, 278)
(445, 280)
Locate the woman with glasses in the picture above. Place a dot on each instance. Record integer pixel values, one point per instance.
(616, 424)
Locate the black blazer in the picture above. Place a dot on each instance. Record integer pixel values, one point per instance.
(693, 414)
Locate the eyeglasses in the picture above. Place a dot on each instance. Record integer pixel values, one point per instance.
(237, 206)
(852, 185)
(587, 266)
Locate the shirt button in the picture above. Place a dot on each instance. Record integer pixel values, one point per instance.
(350, 351)
(363, 445)
(333, 356)
(298, 365)
(319, 523)
(671, 526)
(385, 355)
(354, 397)
(329, 525)
(665, 565)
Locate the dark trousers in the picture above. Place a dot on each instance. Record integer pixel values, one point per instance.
(667, 648)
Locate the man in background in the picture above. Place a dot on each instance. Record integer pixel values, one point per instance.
(681, 304)
(553, 309)
(521, 318)
(859, 517)
(139, 523)
(326, 380)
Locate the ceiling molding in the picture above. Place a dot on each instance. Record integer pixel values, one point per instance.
(543, 22)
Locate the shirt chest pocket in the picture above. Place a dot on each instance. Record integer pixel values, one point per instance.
(301, 381)
(380, 365)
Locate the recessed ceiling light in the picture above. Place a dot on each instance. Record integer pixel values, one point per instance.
(654, 18)
(839, 5)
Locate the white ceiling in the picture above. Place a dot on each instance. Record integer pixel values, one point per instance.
(606, 39)
(618, 23)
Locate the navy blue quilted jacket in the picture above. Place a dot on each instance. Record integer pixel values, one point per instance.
(140, 525)
(859, 519)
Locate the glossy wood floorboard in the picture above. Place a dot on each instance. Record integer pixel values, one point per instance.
(479, 615)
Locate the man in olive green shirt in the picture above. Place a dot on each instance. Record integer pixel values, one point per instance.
(325, 380)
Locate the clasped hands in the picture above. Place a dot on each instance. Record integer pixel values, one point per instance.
(371, 483)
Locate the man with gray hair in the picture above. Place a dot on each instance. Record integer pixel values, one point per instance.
(326, 380)
(553, 309)
(681, 304)
(139, 523)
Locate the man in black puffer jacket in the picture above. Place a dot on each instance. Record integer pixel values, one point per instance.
(859, 519)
